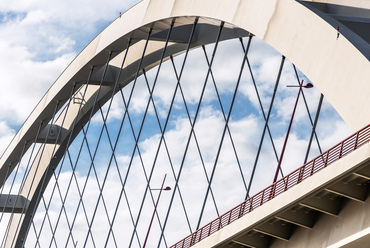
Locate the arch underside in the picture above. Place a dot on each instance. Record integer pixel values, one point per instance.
(88, 82)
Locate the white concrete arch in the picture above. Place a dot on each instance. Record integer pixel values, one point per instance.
(339, 67)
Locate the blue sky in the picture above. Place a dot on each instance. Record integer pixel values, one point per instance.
(38, 40)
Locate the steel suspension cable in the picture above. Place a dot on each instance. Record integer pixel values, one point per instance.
(56, 185)
(74, 168)
(70, 138)
(100, 187)
(260, 103)
(228, 129)
(195, 139)
(265, 126)
(41, 150)
(20, 188)
(113, 150)
(137, 148)
(194, 121)
(140, 130)
(106, 174)
(313, 132)
(308, 112)
(85, 138)
(121, 125)
(168, 154)
(65, 153)
(43, 178)
(123, 182)
(22, 185)
(223, 134)
(118, 135)
(134, 83)
(128, 170)
(40, 195)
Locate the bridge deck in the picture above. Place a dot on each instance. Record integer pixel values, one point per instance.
(268, 217)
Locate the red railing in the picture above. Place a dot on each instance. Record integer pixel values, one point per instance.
(282, 185)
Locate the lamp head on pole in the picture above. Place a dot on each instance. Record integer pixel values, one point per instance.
(308, 85)
(166, 188)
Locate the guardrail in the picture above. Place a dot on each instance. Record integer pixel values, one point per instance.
(336, 152)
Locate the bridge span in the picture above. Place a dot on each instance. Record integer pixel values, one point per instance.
(174, 87)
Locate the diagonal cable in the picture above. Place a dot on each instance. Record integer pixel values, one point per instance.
(99, 186)
(195, 139)
(308, 111)
(194, 121)
(313, 132)
(265, 126)
(85, 139)
(56, 181)
(227, 126)
(23, 181)
(167, 152)
(260, 103)
(70, 139)
(139, 133)
(136, 76)
(123, 119)
(41, 151)
(223, 134)
(43, 178)
(118, 170)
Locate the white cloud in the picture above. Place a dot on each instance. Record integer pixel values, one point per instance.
(25, 81)
(38, 41)
(6, 135)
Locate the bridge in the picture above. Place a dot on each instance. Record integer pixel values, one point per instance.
(334, 198)
(178, 87)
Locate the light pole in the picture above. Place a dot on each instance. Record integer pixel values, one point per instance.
(308, 85)
(155, 208)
